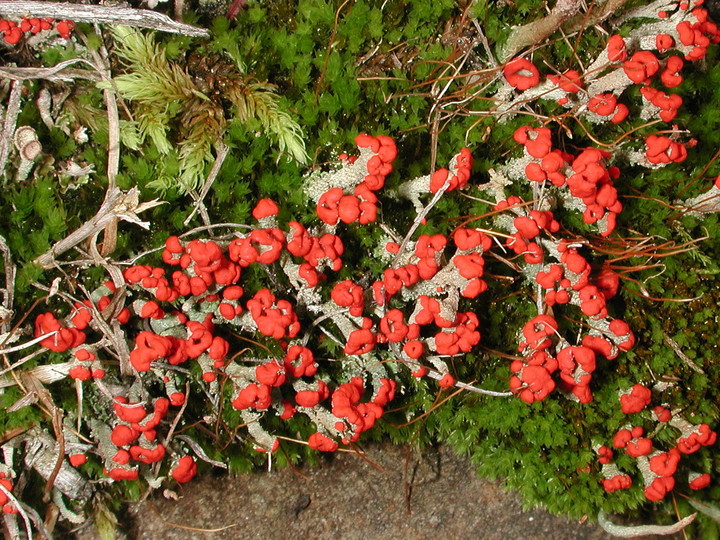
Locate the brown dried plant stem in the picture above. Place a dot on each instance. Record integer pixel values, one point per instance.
(331, 43)
(103, 66)
(179, 10)
(143, 18)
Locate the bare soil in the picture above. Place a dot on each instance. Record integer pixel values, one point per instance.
(390, 494)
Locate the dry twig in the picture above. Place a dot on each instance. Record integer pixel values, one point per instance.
(636, 531)
(59, 72)
(103, 66)
(684, 357)
(222, 153)
(599, 12)
(6, 309)
(537, 31)
(144, 18)
(117, 205)
(8, 128)
(21, 509)
(56, 415)
(705, 508)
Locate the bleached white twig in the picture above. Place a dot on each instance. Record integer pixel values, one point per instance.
(418, 221)
(117, 205)
(684, 357)
(6, 308)
(3, 382)
(28, 344)
(144, 18)
(705, 508)
(8, 128)
(178, 416)
(222, 153)
(625, 531)
(199, 452)
(58, 72)
(470, 388)
(20, 509)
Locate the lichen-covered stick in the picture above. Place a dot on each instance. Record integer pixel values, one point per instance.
(144, 18)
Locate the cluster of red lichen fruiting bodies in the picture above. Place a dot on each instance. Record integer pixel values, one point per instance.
(206, 282)
(211, 274)
(533, 379)
(360, 204)
(657, 467)
(135, 439)
(584, 181)
(8, 507)
(589, 181)
(204, 279)
(563, 274)
(70, 334)
(134, 434)
(13, 32)
(687, 31)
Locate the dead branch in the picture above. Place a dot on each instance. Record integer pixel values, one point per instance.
(143, 18)
(117, 205)
(59, 72)
(56, 415)
(41, 452)
(564, 15)
(179, 9)
(20, 507)
(469, 387)
(8, 301)
(8, 128)
(705, 508)
(103, 65)
(643, 10)
(684, 357)
(199, 205)
(537, 31)
(636, 531)
(597, 14)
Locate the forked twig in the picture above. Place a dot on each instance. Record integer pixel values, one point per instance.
(117, 205)
(222, 153)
